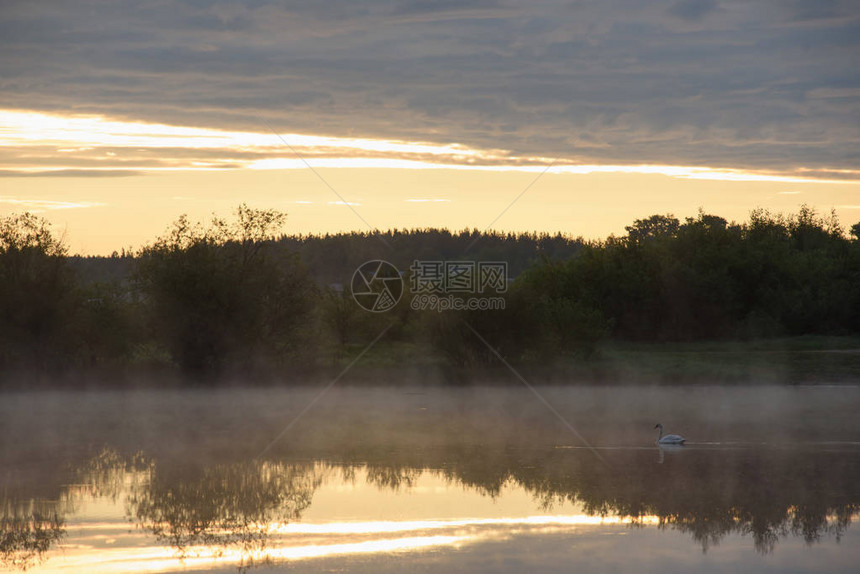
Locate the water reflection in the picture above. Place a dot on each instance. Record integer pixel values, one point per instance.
(668, 449)
(235, 511)
(222, 505)
(27, 530)
(177, 486)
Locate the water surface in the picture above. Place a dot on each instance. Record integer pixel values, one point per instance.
(429, 479)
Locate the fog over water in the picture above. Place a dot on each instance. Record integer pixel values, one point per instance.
(435, 479)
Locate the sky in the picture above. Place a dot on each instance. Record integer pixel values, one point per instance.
(579, 116)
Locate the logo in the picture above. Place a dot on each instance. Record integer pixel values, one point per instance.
(377, 286)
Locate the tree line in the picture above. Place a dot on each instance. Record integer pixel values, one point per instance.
(235, 297)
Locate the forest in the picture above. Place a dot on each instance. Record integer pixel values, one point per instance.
(236, 298)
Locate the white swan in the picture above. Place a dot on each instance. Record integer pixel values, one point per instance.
(669, 438)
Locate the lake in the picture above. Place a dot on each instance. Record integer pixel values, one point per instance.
(404, 478)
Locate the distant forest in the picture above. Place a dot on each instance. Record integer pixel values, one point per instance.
(236, 298)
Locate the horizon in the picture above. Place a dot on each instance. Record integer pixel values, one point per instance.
(133, 251)
(98, 225)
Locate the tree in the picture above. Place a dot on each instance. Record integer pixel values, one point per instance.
(226, 297)
(37, 293)
(652, 227)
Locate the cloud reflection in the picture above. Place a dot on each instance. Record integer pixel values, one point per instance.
(301, 541)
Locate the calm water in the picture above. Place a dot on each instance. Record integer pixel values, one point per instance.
(434, 480)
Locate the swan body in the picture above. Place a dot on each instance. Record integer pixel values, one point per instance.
(669, 438)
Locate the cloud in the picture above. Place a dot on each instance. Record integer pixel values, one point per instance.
(71, 173)
(735, 85)
(692, 9)
(805, 10)
(113, 148)
(41, 205)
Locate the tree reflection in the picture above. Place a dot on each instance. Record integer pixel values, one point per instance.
(220, 505)
(217, 506)
(705, 494)
(223, 505)
(112, 475)
(27, 531)
(766, 495)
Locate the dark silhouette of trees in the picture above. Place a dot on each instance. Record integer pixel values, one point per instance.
(332, 258)
(226, 296)
(653, 227)
(234, 297)
(37, 292)
(709, 279)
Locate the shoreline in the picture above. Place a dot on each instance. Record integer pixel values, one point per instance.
(785, 361)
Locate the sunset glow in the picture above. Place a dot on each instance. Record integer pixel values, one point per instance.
(415, 286)
(101, 144)
(342, 539)
(562, 118)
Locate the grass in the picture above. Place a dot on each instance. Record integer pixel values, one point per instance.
(793, 360)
